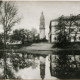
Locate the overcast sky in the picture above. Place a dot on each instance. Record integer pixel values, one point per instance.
(31, 12)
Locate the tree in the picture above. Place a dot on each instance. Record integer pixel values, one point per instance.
(33, 33)
(8, 18)
(63, 35)
(62, 38)
(18, 35)
(27, 34)
(24, 35)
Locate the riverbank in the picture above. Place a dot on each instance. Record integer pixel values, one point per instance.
(39, 46)
(35, 48)
(43, 49)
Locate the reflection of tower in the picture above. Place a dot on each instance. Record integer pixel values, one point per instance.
(42, 26)
(42, 67)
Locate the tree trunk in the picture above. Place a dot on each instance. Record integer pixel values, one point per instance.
(5, 64)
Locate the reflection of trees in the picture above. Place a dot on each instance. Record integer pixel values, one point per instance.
(58, 67)
(65, 66)
(34, 63)
(9, 69)
(17, 61)
(20, 62)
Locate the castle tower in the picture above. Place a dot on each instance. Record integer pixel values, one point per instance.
(42, 26)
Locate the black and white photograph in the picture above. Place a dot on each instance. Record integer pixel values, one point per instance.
(39, 40)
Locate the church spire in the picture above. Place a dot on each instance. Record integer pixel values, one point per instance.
(42, 26)
(42, 16)
(42, 21)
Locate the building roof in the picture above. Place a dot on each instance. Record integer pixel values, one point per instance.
(71, 17)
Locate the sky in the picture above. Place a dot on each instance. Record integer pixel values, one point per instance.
(30, 11)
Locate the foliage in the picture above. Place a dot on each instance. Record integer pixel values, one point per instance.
(24, 35)
(62, 37)
(8, 17)
(33, 33)
(18, 34)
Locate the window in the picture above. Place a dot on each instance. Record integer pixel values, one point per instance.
(72, 37)
(79, 29)
(72, 29)
(55, 38)
(53, 23)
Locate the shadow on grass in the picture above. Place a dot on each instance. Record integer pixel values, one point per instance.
(67, 45)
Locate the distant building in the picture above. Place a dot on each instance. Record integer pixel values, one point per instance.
(42, 26)
(71, 26)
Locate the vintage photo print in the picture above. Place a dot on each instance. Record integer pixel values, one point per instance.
(39, 40)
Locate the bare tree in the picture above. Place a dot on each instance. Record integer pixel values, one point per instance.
(8, 18)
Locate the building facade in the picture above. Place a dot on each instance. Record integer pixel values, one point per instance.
(52, 32)
(69, 25)
(42, 26)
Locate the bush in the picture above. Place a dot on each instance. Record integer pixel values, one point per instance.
(1, 45)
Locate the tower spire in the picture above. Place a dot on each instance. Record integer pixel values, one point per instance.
(42, 26)
(42, 21)
(42, 15)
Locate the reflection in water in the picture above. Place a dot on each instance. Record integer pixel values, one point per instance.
(42, 67)
(35, 66)
(65, 66)
(27, 64)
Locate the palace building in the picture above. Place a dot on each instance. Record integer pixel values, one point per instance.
(65, 24)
